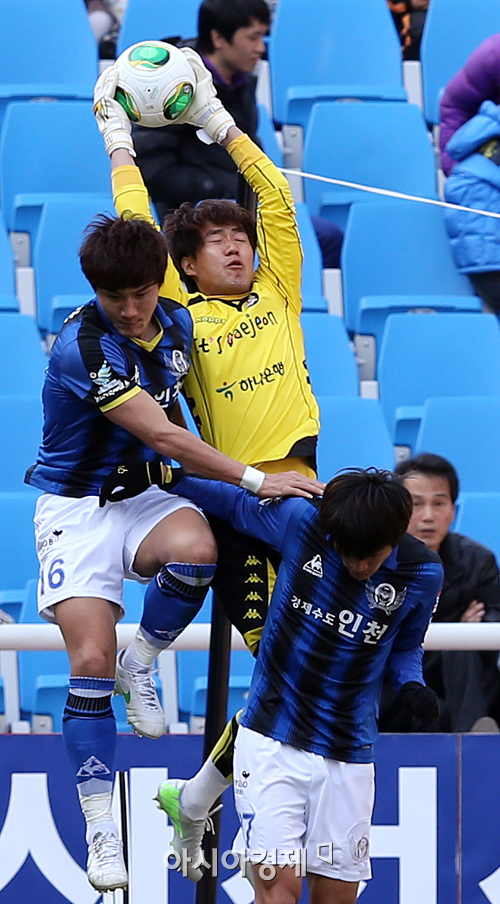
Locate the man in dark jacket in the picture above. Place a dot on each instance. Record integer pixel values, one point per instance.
(175, 165)
(467, 682)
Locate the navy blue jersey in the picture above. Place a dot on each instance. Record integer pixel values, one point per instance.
(92, 369)
(327, 637)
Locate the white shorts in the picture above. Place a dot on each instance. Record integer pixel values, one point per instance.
(87, 551)
(299, 807)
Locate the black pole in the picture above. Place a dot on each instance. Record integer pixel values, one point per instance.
(124, 811)
(218, 678)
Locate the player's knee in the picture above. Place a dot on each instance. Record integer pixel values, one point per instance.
(276, 885)
(197, 547)
(93, 662)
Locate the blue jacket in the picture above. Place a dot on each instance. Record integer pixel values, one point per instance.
(474, 182)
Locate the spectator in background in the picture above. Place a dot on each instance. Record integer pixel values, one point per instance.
(467, 682)
(409, 18)
(478, 80)
(101, 18)
(475, 182)
(173, 163)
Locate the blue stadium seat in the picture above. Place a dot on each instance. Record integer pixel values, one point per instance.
(353, 435)
(18, 561)
(266, 134)
(396, 248)
(20, 437)
(466, 431)
(332, 50)
(452, 30)
(147, 20)
(8, 299)
(192, 672)
(55, 255)
(49, 148)
(22, 358)
(238, 688)
(312, 266)
(48, 50)
(384, 145)
(478, 517)
(423, 356)
(329, 354)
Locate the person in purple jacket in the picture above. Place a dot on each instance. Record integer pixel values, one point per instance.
(478, 80)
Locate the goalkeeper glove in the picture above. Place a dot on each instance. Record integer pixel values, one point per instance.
(112, 121)
(125, 482)
(205, 111)
(420, 700)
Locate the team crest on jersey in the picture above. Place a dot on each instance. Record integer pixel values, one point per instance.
(384, 596)
(251, 300)
(177, 363)
(314, 566)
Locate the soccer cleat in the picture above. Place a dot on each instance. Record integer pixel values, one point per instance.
(188, 833)
(137, 687)
(105, 866)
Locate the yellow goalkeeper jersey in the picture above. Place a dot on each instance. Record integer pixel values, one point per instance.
(248, 387)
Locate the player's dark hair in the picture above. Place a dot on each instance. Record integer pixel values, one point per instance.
(362, 511)
(183, 228)
(121, 254)
(226, 16)
(431, 466)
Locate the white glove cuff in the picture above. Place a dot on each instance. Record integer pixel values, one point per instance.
(118, 138)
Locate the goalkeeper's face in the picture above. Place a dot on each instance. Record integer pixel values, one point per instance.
(224, 265)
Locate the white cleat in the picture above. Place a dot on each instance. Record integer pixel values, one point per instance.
(105, 865)
(188, 835)
(137, 687)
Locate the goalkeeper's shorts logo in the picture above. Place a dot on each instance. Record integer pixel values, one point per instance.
(253, 579)
(254, 597)
(252, 613)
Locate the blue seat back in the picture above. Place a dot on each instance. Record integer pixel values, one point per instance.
(397, 248)
(330, 357)
(7, 273)
(146, 20)
(466, 431)
(353, 435)
(18, 560)
(22, 358)
(20, 437)
(385, 145)
(48, 50)
(50, 147)
(312, 265)
(331, 49)
(55, 251)
(428, 355)
(452, 30)
(479, 517)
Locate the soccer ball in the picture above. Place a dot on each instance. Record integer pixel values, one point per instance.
(156, 83)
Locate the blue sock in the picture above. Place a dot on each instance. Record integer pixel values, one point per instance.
(89, 733)
(172, 599)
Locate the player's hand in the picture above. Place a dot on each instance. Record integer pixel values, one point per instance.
(112, 121)
(125, 482)
(420, 700)
(290, 483)
(206, 111)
